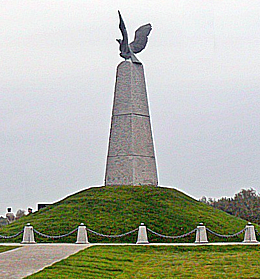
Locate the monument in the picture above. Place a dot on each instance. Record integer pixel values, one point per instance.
(131, 159)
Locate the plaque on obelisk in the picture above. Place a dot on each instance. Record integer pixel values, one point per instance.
(131, 159)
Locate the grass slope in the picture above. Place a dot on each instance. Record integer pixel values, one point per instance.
(158, 262)
(6, 248)
(118, 209)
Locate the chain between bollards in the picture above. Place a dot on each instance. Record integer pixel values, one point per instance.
(11, 236)
(173, 237)
(201, 234)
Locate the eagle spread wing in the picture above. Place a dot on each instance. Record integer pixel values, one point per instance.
(141, 38)
(124, 42)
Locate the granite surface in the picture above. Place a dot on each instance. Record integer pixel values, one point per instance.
(131, 159)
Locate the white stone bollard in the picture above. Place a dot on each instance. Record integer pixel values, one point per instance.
(250, 236)
(142, 235)
(28, 235)
(82, 237)
(201, 234)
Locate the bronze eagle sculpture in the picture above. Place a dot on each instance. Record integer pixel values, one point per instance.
(127, 51)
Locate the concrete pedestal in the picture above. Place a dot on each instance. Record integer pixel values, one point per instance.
(250, 236)
(82, 237)
(131, 159)
(28, 235)
(142, 235)
(201, 234)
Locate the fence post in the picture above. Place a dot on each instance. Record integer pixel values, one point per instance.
(142, 235)
(250, 236)
(82, 237)
(201, 234)
(28, 235)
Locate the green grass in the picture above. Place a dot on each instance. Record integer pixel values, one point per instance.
(6, 248)
(158, 262)
(118, 209)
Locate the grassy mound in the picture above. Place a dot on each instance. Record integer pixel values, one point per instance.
(118, 209)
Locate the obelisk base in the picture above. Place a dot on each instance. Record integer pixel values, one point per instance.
(131, 170)
(131, 159)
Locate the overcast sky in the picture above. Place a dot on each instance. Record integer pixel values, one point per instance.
(57, 73)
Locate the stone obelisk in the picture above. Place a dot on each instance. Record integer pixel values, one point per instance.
(131, 159)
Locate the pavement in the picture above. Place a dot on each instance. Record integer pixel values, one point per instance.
(31, 258)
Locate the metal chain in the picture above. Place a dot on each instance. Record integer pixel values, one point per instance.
(226, 236)
(173, 237)
(11, 236)
(112, 236)
(127, 233)
(54, 236)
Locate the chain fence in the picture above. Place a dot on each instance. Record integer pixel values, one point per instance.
(55, 236)
(257, 232)
(11, 236)
(172, 237)
(112, 236)
(130, 232)
(224, 235)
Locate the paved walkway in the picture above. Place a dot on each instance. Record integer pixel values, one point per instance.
(28, 259)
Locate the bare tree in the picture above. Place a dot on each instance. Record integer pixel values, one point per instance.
(245, 204)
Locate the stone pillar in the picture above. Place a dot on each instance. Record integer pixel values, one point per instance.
(250, 236)
(142, 235)
(28, 235)
(201, 234)
(131, 159)
(82, 237)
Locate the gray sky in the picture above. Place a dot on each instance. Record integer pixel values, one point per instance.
(58, 61)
